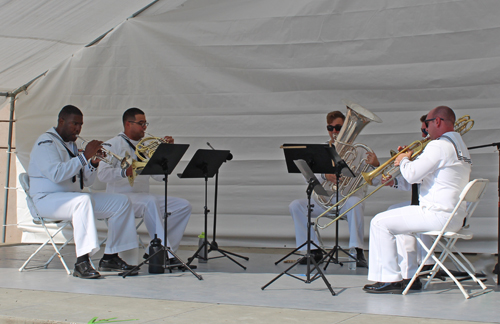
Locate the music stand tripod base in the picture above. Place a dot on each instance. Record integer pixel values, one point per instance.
(163, 161)
(313, 184)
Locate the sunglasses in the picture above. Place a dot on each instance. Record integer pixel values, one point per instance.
(331, 128)
(426, 122)
(424, 131)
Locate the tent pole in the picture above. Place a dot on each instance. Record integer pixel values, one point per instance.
(12, 95)
(7, 174)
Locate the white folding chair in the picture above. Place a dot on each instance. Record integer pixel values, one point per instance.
(61, 224)
(446, 240)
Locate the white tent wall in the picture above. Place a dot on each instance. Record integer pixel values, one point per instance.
(249, 76)
(37, 34)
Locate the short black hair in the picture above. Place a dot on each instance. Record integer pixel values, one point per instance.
(130, 114)
(69, 110)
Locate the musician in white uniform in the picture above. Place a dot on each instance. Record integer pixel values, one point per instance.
(355, 217)
(443, 169)
(57, 175)
(145, 204)
(404, 246)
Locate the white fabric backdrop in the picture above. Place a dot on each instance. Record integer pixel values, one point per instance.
(251, 75)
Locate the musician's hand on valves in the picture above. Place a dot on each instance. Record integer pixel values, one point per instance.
(371, 159)
(92, 148)
(129, 171)
(331, 177)
(169, 139)
(401, 156)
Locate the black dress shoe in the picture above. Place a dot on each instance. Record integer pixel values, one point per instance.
(361, 260)
(115, 264)
(317, 255)
(417, 284)
(85, 271)
(385, 288)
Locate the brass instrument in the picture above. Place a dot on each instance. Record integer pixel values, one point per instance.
(388, 169)
(356, 119)
(125, 162)
(144, 150)
(147, 146)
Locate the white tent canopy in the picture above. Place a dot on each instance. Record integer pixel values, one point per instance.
(36, 35)
(249, 76)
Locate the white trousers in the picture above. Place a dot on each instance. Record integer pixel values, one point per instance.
(83, 209)
(384, 227)
(355, 219)
(152, 208)
(405, 247)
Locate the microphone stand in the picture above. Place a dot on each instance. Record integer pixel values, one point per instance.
(497, 145)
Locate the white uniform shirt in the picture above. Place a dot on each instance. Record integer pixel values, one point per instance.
(115, 177)
(52, 169)
(443, 169)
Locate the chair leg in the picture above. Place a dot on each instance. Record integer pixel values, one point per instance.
(141, 243)
(57, 250)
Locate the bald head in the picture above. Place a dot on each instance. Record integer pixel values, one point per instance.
(440, 120)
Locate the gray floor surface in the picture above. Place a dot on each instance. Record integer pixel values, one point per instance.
(229, 294)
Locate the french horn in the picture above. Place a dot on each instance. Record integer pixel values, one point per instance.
(144, 150)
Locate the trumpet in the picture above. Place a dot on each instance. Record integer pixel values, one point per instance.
(125, 162)
(388, 169)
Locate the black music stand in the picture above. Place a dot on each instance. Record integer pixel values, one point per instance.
(341, 170)
(164, 160)
(205, 164)
(497, 145)
(308, 159)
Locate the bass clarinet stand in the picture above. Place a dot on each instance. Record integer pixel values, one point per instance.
(163, 162)
(497, 145)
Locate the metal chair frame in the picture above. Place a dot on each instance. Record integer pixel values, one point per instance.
(446, 240)
(62, 224)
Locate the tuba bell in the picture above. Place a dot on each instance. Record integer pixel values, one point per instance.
(357, 118)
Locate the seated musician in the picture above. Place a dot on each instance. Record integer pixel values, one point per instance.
(355, 217)
(145, 204)
(58, 173)
(443, 170)
(403, 246)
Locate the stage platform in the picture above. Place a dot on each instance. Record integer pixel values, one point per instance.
(227, 294)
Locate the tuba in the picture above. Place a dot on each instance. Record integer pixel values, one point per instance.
(356, 119)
